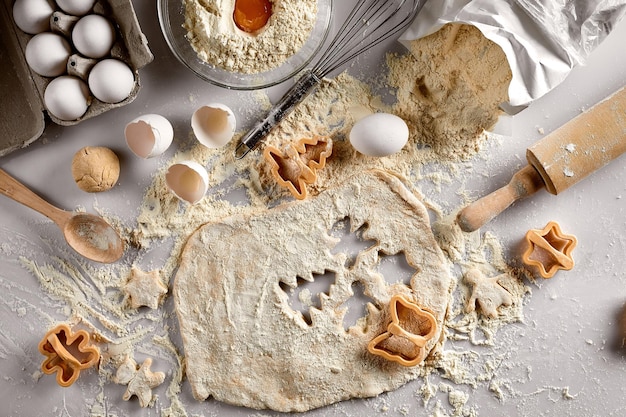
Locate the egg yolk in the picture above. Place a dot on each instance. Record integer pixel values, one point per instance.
(252, 15)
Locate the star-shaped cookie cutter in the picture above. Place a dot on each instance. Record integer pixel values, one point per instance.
(549, 249)
(411, 328)
(67, 353)
(298, 165)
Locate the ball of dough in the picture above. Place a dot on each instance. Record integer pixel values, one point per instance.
(95, 169)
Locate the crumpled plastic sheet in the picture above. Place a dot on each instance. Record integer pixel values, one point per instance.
(542, 39)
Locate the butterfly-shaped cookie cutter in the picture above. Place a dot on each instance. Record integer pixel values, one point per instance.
(67, 353)
(298, 165)
(405, 340)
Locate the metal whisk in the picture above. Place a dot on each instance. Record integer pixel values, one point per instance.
(368, 24)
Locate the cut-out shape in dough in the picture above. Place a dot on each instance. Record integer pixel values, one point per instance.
(67, 353)
(487, 293)
(140, 380)
(145, 289)
(411, 328)
(549, 249)
(243, 342)
(298, 165)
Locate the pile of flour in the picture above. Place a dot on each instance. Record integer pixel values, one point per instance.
(216, 39)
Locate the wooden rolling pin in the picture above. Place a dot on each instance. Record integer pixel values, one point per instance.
(561, 159)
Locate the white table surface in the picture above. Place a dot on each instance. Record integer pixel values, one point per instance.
(566, 358)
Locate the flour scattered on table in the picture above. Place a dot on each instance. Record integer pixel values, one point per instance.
(448, 117)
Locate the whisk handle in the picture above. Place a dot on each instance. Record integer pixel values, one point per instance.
(294, 96)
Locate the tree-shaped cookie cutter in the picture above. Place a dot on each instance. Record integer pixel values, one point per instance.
(549, 249)
(67, 353)
(405, 340)
(298, 165)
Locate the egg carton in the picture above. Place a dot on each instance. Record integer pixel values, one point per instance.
(24, 116)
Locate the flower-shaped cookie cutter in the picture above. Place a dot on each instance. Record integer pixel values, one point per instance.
(549, 249)
(298, 165)
(67, 353)
(411, 328)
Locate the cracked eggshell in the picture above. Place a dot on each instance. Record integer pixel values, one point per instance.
(187, 180)
(213, 125)
(149, 135)
(379, 134)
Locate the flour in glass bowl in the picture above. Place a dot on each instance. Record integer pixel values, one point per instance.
(217, 40)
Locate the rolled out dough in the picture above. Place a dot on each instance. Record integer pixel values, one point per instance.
(243, 342)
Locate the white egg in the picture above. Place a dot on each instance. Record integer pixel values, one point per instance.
(67, 97)
(379, 134)
(93, 36)
(47, 54)
(33, 16)
(188, 180)
(213, 125)
(149, 135)
(111, 81)
(76, 7)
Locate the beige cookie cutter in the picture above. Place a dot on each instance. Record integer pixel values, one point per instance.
(549, 249)
(405, 340)
(67, 353)
(297, 167)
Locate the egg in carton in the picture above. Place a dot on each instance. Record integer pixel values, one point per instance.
(23, 103)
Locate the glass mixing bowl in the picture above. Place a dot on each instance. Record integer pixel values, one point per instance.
(172, 17)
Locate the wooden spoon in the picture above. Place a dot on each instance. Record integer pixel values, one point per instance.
(89, 235)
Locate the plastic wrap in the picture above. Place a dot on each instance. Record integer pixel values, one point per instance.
(542, 39)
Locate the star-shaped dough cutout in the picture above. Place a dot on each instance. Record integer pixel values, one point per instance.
(145, 288)
(487, 293)
(140, 379)
(549, 250)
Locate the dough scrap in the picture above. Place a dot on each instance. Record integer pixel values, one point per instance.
(246, 346)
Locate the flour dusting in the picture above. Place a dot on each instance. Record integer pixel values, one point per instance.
(447, 120)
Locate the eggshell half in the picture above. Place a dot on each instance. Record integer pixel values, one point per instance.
(213, 125)
(149, 135)
(187, 180)
(379, 134)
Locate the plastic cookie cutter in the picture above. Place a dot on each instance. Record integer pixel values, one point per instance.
(549, 250)
(411, 328)
(298, 165)
(67, 353)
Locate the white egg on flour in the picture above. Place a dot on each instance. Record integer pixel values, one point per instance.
(93, 36)
(76, 7)
(379, 134)
(187, 180)
(33, 16)
(149, 135)
(111, 81)
(47, 54)
(67, 97)
(213, 125)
